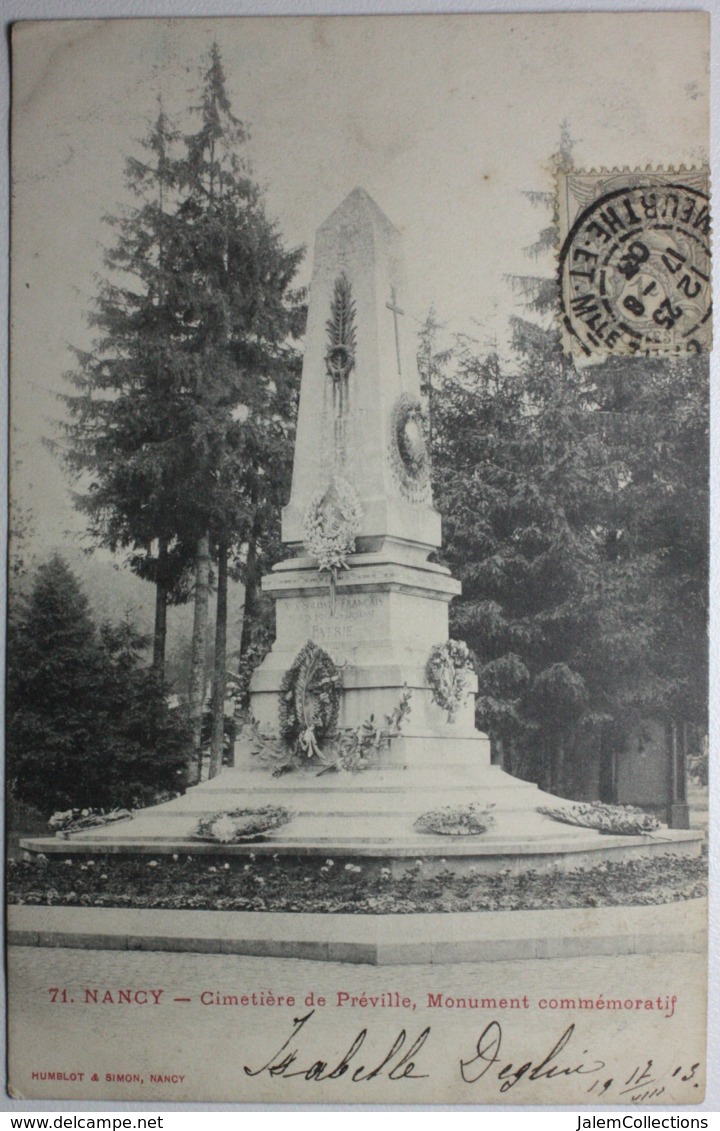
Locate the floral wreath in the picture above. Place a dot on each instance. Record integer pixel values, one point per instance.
(460, 820)
(330, 525)
(233, 826)
(309, 699)
(448, 672)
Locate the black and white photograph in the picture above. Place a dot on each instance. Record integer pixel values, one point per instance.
(357, 635)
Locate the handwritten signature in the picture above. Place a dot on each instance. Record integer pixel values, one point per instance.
(409, 1058)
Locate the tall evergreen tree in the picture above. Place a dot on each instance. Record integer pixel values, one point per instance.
(245, 316)
(124, 444)
(194, 378)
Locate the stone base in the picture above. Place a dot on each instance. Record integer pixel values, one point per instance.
(679, 815)
(391, 607)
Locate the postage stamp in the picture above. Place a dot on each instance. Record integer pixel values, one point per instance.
(635, 263)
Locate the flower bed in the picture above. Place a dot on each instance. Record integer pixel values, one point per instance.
(278, 884)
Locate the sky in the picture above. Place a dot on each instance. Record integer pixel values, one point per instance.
(445, 120)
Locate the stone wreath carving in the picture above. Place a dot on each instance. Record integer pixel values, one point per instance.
(331, 525)
(408, 449)
(448, 671)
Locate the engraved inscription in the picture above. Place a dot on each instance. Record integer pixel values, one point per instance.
(310, 618)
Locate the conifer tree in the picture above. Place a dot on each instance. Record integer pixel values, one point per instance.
(124, 439)
(185, 410)
(88, 724)
(245, 316)
(576, 518)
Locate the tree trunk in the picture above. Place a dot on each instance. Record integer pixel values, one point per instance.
(220, 666)
(196, 696)
(252, 589)
(161, 603)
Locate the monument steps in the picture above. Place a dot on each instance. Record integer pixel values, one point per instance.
(371, 815)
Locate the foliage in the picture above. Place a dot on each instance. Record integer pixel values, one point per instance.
(620, 820)
(127, 433)
(357, 748)
(699, 767)
(448, 672)
(457, 820)
(575, 505)
(181, 427)
(88, 726)
(233, 826)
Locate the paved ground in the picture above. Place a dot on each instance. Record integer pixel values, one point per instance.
(198, 1041)
(437, 938)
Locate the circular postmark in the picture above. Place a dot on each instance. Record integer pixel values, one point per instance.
(635, 273)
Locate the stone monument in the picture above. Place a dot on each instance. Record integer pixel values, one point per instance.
(360, 435)
(362, 623)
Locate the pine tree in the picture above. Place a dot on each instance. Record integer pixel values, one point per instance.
(124, 437)
(184, 418)
(245, 316)
(53, 667)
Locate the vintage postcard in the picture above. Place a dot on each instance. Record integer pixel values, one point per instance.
(357, 700)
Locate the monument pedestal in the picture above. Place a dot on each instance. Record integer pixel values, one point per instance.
(391, 607)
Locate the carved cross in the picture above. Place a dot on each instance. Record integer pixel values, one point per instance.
(396, 310)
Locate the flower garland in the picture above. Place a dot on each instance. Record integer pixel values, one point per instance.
(330, 525)
(448, 672)
(357, 748)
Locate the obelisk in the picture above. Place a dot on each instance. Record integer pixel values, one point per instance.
(360, 429)
(355, 392)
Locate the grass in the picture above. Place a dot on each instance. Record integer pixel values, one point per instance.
(282, 884)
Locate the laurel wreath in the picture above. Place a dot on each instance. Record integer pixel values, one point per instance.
(309, 699)
(308, 731)
(621, 820)
(448, 671)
